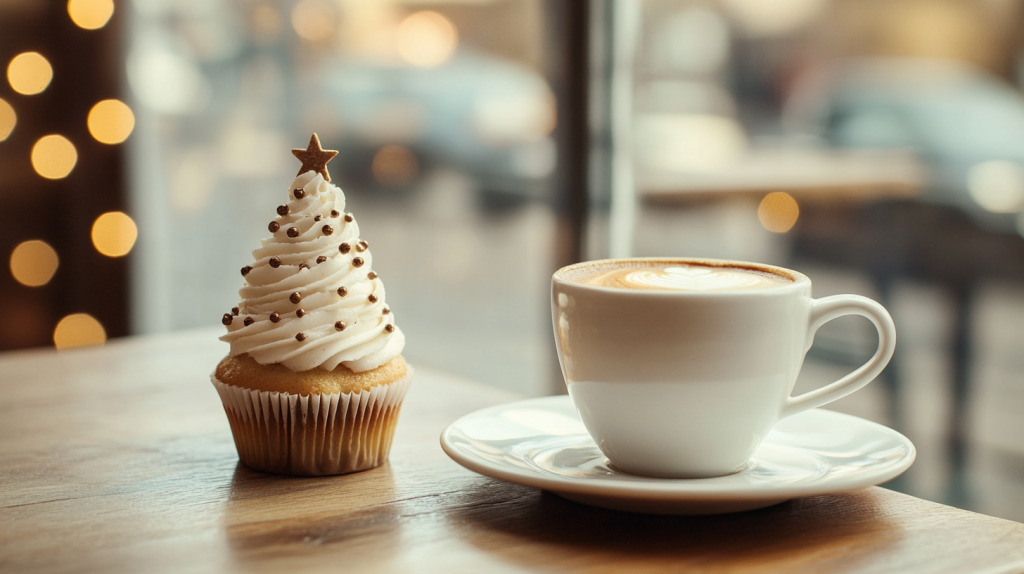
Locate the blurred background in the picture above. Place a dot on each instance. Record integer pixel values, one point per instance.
(876, 145)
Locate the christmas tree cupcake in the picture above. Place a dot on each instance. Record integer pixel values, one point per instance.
(315, 378)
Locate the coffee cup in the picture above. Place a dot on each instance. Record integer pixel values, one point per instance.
(680, 367)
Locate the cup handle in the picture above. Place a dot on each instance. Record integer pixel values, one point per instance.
(824, 310)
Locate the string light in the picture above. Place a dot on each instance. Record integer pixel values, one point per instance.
(90, 14)
(29, 73)
(33, 263)
(778, 212)
(77, 330)
(114, 234)
(111, 121)
(8, 119)
(53, 156)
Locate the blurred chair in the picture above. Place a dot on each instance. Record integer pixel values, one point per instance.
(968, 128)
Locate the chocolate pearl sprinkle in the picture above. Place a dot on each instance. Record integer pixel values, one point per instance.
(274, 226)
(389, 328)
(321, 259)
(317, 217)
(327, 229)
(282, 210)
(299, 193)
(300, 337)
(303, 266)
(372, 298)
(246, 270)
(300, 313)
(344, 248)
(275, 317)
(295, 298)
(371, 275)
(385, 311)
(334, 213)
(342, 291)
(358, 261)
(275, 262)
(362, 246)
(293, 232)
(234, 311)
(248, 321)
(226, 319)
(339, 326)
(348, 218)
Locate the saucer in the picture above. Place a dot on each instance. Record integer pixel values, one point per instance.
(542, 443)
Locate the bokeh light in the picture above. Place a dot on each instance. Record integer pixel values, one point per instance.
(33, 263)
(29, 73)
(778, 212)
(7, 119)
(427, 39)
(53, 156)
(313, 20)
(114, 234)
(394, 166)
(997, 186)
(111, 121)
(78, 330)
(90, 14)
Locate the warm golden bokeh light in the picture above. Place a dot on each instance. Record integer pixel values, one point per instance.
(778, 212)
(7, 119)
(427, 39)
(29, 73)
(90, 14)
(53, 157)
(33, 263)
(111, 121)
(78, 330)
(114, 234)
(394, 166)
(313, 20)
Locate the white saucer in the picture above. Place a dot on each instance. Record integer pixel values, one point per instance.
(542, 443)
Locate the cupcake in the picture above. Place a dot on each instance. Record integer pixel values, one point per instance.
(314, 380)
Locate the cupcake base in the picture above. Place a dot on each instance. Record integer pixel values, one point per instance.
(313, 435)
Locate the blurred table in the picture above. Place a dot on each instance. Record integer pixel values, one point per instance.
(805, 173)
(859, 210)
(119, 459)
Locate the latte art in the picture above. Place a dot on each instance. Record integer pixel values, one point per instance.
(696, 279)
(686, 278)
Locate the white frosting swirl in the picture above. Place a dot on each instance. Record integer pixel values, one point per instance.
(365, 342)
(697, 278)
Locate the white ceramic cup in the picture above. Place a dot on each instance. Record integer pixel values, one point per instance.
(687, 383)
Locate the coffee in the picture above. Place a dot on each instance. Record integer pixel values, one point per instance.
(680, 367)
(676, 276)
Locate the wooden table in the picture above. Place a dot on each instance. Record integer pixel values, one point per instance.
(119, 459)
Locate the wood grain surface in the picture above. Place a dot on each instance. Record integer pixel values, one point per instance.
(120, 459)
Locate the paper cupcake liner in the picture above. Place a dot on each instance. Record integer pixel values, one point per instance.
(313, 435)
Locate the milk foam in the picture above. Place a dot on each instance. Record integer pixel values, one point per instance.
(697, 279)
(686, 278)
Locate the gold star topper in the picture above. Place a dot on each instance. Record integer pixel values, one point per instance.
(315, 158)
